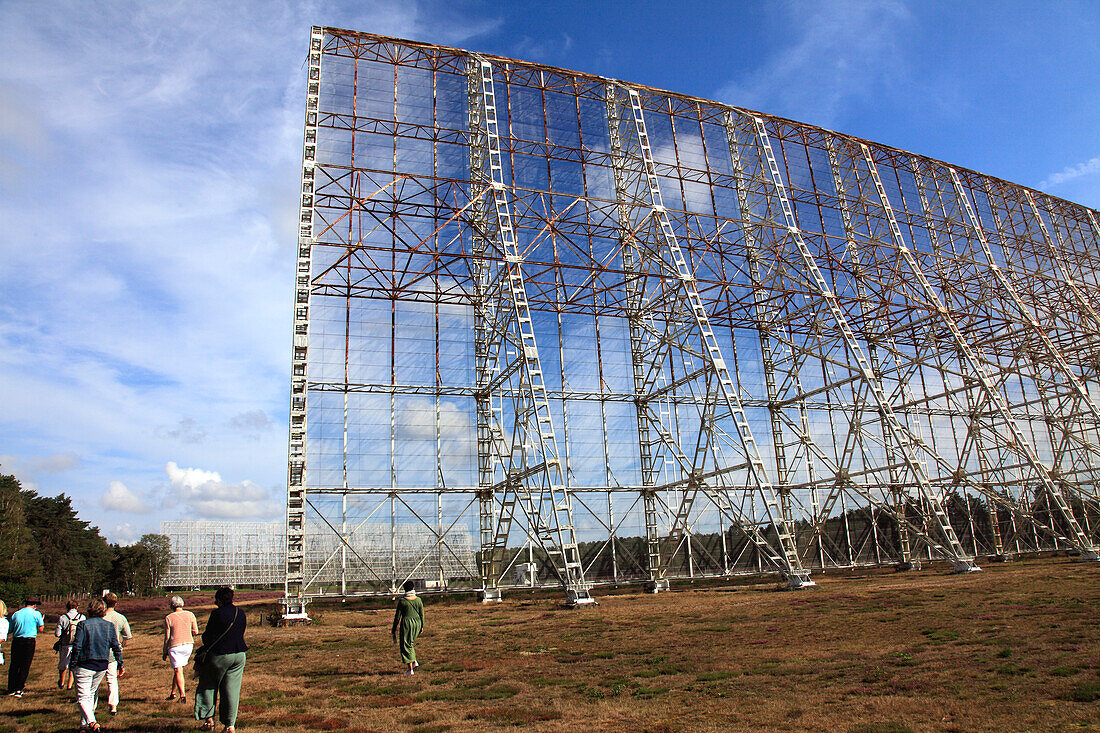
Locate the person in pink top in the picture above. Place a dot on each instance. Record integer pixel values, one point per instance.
(180, 628)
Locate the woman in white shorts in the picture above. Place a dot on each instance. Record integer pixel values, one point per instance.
(180, 628)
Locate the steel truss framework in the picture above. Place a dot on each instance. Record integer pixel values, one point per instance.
(620, 334)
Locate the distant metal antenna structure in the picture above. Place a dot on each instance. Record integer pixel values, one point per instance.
(618, 334)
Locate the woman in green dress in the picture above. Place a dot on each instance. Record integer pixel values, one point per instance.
(407, 623)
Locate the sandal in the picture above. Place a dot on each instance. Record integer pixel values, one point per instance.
(170, 697)
(208, 725)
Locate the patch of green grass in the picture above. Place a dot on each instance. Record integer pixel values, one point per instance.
(874, 675)
(1064, 671)
(1012, 669)
(1084, 692)
(1004, 653)
(492, 692)
(547, 681)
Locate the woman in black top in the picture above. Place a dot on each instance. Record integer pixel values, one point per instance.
(223, 669)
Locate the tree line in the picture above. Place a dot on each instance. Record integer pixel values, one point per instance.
(46, 549)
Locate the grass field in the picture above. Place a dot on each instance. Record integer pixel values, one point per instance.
(1014, 648)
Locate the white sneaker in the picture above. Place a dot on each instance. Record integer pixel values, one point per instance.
(416, 665)
(409, 671)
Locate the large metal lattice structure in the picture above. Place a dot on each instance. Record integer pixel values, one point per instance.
(209, 553)
(621, 334)
(212, 553)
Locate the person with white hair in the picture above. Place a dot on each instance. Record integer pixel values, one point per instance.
(180, 627)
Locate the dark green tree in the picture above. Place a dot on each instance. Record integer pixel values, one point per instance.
(20, 568)
(157, 554)
(126, 571)
(73, 555)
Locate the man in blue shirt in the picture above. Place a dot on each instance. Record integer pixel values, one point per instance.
(25, 625)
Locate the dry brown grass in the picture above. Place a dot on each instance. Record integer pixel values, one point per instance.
(1015, 648)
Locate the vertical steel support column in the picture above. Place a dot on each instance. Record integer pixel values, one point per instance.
(900, 436)
(765, 327)
(642, 345)
(531, 459)
(295, 601)
(900, 502)
(646, 226)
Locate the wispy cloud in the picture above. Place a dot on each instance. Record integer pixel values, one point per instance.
(125, 533)
(36, 465)
(149, 166)
(547, 50)
(185, 431)
(251, 423)
(844, 50)
(1090, 167)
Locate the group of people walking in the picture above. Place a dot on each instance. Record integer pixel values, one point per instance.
(89, 649)
(90, 643)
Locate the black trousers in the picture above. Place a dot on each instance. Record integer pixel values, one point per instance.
(22, 652)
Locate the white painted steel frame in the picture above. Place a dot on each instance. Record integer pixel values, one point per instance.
(828, 353)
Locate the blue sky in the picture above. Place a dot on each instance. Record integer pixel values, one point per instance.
(149, 163)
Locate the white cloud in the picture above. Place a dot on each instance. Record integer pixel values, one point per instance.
(120, 499)
(34, 465)
(125, 534)
(846, 50)
(1089, 168)
(416, 420)
(149, 167)
(204, 494)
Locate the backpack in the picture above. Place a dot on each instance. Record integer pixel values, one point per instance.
(67, 632)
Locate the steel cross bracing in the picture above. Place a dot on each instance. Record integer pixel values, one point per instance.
(507, 352)
(781, 354)
(900, 437)
(397, 233)
(1081, 444)
(1052, 356)
(975, 364)
(1002, 465)
(1067, 278)
(1052, 298)
(894, 469)
(663, 289)
(1016, 460)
